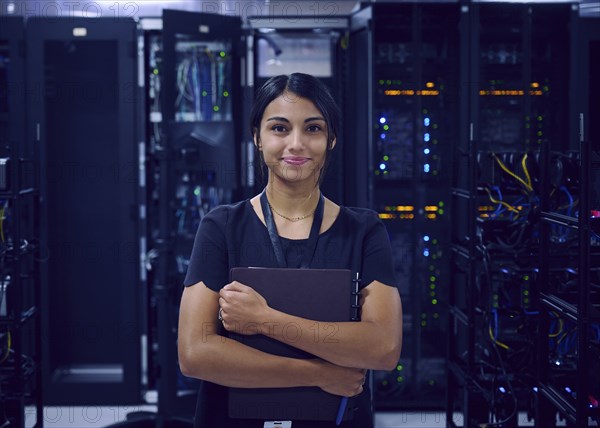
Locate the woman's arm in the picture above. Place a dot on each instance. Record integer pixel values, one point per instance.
(373, 343)
(205, 354)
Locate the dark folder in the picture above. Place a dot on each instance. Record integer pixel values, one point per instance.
(326, 295)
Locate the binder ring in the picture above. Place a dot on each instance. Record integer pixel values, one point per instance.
(220, 315)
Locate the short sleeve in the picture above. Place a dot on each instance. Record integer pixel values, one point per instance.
(209, 259)
(377, 263)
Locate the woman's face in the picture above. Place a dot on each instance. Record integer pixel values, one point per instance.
(293, 138)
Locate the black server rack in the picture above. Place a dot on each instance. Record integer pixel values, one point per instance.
(410, 84)
(519, 106)
(568, 362)
(20, 252)
(81, 114)
(191, 133)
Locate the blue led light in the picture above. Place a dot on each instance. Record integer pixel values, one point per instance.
(382, 120)
(426, 137)
(502, 390)
(426, 151)
(426, 121)
(426, 238)
(382, 136)
(382, 166)
(426, 252)
(426, 167)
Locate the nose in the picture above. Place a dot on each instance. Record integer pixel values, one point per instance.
(296, 141)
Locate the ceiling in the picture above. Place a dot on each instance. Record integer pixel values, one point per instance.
(152, 8)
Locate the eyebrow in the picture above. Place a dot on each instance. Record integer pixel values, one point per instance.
(283, 119)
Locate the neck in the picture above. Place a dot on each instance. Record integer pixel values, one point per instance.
(292, 202)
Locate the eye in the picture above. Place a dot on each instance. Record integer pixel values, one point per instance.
(314, 128)
(278, 128)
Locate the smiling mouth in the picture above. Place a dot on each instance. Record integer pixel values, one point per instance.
(296, 161)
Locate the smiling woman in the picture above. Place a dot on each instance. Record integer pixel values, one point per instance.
(291, 224)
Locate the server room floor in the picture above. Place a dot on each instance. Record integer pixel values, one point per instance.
(101, 417)
(104, 416)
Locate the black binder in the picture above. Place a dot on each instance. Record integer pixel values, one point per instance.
(326, 295)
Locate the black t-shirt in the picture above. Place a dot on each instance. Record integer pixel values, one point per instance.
(233, 236)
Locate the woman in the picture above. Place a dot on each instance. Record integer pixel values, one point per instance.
(294, 123)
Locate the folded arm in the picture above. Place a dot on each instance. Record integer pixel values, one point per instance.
(373, 343)
(205, 354)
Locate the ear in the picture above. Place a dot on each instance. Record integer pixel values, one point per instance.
(256, 140)
(333, 143)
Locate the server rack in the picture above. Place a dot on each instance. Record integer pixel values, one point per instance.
(20, 252)
(410, 82)
(81, 114)
(190, 79)
(518, 107)
(569, 296)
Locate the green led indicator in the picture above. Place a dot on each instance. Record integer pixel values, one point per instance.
(540, 118)
(423, 323)
(441, 212)
(386, 158)
(539, 133)
(226, 94)
(155, 71)
(385, 172)
(197, 191)
(204, 93)
(432, 278)
(432, 286)
(400, 378)
(216, 108)
(389, 82)
(386, 127)
(440, 203)
(399, 367)
(526, 293)
(526, 277)
(432, 293)
(434, 301)
(222, 54)
(381, 82)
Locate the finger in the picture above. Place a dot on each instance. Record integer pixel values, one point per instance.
(222, 302)
(236, 286)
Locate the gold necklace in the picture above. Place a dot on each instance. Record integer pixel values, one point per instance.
(292, 219)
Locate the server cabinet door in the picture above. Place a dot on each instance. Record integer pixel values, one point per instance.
(81, 111)
(197, 167)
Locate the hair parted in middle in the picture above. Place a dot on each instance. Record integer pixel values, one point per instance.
(304, 86)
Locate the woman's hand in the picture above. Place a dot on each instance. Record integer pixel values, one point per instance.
(338, 380)
(242, 310)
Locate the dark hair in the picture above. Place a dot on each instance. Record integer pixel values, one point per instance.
(305, 86)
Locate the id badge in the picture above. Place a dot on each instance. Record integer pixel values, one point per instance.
(277, 424)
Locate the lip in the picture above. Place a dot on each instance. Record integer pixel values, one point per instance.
(295, 160)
